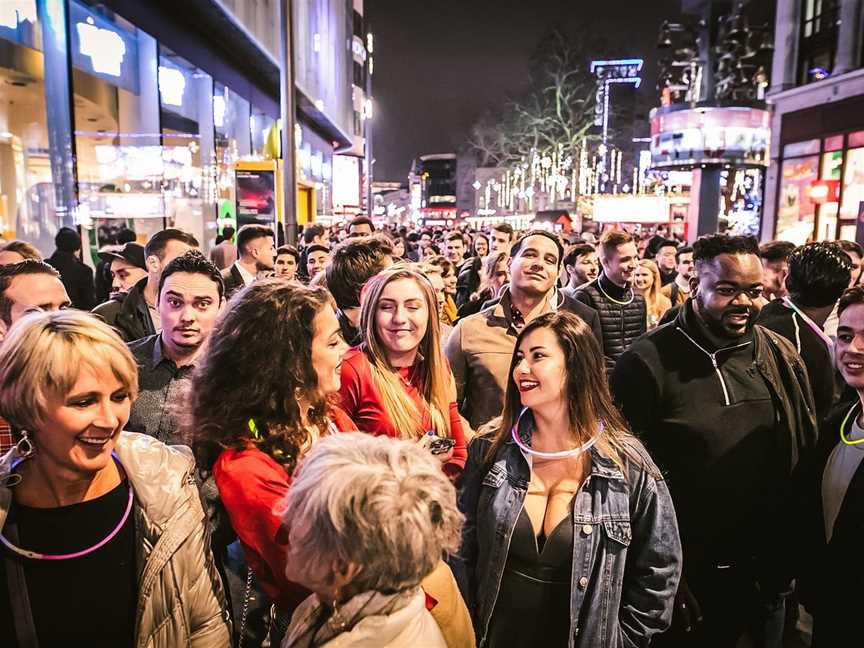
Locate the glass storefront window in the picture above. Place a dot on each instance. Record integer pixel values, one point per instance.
(231, 119)
(117, 137)
(265, 141)
(188, 153)
(853, 184)
(810, 147)
(856, 139)
(834, 143)
(26, 189)
(796, 212)
(826, 222)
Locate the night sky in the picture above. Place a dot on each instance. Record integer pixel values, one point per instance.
(439, 65)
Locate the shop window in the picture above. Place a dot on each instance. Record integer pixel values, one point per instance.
(796, 149)
(834, 143)
(856, 139)
(818, 43)
(117, 139)
(265, 137)
(26, 188)
(853, 184)
(826, 219)
(186, 109)
(231, 119)
(796, 212)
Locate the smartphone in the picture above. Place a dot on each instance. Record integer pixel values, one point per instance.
(441, 445)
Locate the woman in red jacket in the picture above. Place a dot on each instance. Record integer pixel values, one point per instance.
(397, 382)
(258, 401)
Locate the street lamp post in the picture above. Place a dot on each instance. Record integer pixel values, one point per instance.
(288, 111)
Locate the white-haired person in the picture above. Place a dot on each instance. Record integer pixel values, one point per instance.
(105, 542)
(366, 520)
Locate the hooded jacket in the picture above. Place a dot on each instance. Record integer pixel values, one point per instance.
(128, 313)
(180, 597)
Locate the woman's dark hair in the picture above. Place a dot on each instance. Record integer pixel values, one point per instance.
(586, 391)
(259, 361)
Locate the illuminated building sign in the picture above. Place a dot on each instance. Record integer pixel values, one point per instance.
(607, 73)
(172, 85)
(730, 136)
(104, 47)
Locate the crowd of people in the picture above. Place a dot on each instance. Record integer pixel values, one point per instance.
(429, 437)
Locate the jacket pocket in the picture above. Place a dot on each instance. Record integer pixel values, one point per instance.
(495, 477)
(619, 531)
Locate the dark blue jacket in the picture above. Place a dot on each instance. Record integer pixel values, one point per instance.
(626, 550)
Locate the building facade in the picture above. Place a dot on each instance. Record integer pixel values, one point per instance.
(815, 183)
(128, 113)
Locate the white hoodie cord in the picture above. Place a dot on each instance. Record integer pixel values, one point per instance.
(713, 358)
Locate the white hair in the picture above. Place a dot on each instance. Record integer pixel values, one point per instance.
(381, 503)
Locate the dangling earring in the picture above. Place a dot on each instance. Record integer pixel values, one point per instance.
(24, 447)
(337, 619)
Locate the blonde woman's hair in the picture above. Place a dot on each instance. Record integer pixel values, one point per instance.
(489, 269)
(42, 355)
(373, 501)
(435, 378)
(652, 295)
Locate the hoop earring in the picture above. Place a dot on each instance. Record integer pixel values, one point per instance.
(24, 447)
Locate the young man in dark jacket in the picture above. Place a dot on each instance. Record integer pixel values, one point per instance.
(836, 579)
(818, 273)
(623, 313)
(726, 410)
(134, 314)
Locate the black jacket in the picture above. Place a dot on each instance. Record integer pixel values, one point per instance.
(621, 324)
(780, 318)
(833, 573)
(128, 313)
(733, 433)
(76, 277)
(468, 280)
(233, 280)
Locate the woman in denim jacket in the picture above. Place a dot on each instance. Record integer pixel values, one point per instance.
(570, 536)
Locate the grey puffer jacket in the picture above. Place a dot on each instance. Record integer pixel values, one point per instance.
(181, 602)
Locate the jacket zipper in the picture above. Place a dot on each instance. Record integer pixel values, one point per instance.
(713, 358)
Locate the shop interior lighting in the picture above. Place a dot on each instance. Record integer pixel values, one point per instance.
(172, 85)
(105, 48)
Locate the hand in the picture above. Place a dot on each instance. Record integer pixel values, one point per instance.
(687, 612)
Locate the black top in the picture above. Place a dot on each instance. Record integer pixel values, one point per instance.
(88, 601)
(161, 384)
(77, 278)
(533, 606)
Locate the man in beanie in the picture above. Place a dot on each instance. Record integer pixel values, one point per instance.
(75, 275)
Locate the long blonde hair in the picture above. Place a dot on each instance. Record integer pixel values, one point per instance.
(652, 295)
(435, 378)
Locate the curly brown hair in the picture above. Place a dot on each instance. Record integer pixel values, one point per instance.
(258, 363)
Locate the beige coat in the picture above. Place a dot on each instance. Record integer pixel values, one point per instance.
(181, 602)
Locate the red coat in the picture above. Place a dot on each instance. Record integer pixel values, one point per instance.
(252, 485)
(362, 402)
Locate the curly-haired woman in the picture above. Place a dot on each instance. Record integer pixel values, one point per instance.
(258, 402)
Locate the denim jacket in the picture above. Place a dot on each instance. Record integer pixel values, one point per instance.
(626, 549)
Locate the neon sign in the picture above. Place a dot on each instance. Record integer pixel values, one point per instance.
(172, 85)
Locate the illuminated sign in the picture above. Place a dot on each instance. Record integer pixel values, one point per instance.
(688, 138)
(218, 111)
(346, 181)
(105, 48)
(14, 12)
(172, 85)
(608, 72)
(631, 209)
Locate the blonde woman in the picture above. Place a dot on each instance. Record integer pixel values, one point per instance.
(397, 382)
(106, 542)
(647, 282)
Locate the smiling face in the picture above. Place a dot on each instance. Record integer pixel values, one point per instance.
(328, 349)
(850, 346)
(540, 373)
(29, 293)
(401, 320)
(315, 262)
(619, 263)
(481, 247)
(728, 292)
(534, 269)
(643, 279)
(456, 251)
(188, 305)
(79, 429)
